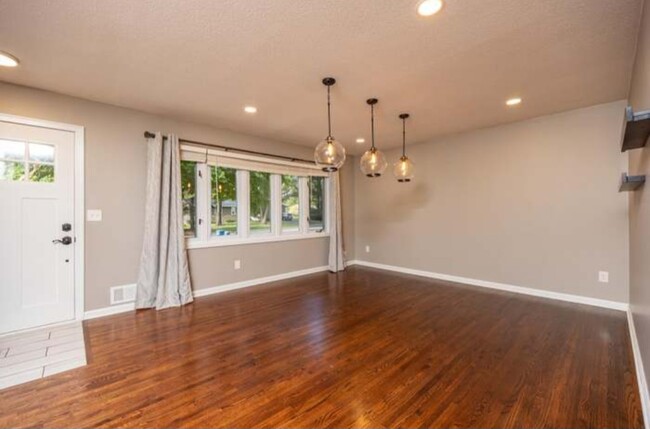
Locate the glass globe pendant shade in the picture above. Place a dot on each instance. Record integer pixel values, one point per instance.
(373, 163)
(404, 170)
(329, 154)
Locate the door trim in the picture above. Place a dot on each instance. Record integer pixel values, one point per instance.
(79, 199)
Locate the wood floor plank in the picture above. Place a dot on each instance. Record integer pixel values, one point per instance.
(364, 348)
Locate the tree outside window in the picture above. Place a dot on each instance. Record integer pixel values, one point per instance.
(260, 203)
(290, 204)
(224, 201)
(316, 186)
(188, 193)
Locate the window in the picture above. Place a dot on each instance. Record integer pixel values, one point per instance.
(20, 161)
(290, 204)
(316, 186)
(232, 199)
(260, 203)
(188, 184)
(41, 163)
(223, 202)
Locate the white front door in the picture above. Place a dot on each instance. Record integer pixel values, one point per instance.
(36, 215)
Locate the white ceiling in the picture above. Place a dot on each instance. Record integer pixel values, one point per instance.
(203, 60)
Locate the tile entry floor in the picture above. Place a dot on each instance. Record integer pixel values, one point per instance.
(36, 354)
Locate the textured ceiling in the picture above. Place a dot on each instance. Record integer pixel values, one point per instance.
(204, 60)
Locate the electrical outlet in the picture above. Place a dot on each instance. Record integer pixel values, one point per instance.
(367, 249)
(603, 276)
(94, 215)
(237, 264)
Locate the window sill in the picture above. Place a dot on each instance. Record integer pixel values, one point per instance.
(221, 242)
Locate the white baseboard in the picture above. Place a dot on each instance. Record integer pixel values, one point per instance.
(640, 372)
(123, 308)
(615, 305)
(108, 311)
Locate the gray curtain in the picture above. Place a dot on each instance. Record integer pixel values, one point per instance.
(164, 278)
(336, 258)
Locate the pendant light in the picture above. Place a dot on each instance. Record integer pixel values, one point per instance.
(329, 154)
(404, 169)
(373, 162)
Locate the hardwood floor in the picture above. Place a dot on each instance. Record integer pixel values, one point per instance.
(365, 348)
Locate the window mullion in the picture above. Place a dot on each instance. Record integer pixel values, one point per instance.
(26, 161)
(243, 202)
(326, 203)
(303, 197)
(276, 204)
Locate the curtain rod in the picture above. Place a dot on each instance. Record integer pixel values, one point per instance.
(149, 135)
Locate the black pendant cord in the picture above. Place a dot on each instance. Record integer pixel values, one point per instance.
(372, 125)
(403, 138)
(372, 102)
(328, 82)
(403, 117)
(329, 115)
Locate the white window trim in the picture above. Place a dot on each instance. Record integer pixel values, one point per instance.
(236, 241)
(204, 238)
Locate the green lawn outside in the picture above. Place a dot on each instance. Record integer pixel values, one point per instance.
(255, 226)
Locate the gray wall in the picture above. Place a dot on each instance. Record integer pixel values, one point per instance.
(533, 203)
(640, 200)
(348, 174)
(115, 183)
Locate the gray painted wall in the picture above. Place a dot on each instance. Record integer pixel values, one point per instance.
(640, 200)
(533, 203)
(115, 183)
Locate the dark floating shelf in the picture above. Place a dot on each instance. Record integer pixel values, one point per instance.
(631, 183)
(637, 129)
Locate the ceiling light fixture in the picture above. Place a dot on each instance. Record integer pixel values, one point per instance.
(373, 162)
(250, 109)
(513, 101)
(429, 7)
(361, 140)
(329, 153)
(8, 60)
(404, 170)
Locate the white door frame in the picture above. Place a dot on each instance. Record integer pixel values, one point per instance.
(79, 198)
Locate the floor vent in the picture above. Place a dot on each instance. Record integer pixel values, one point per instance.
(122, 294)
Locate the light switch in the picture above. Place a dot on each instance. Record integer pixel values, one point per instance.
(94, 216)
(603, 276)
(237, 264)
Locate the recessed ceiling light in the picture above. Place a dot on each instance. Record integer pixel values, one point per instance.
(513, 101)
(8, 60)
(250, 109)
(429, 7)
(361, 140)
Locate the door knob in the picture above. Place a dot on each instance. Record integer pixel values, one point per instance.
(65, 240)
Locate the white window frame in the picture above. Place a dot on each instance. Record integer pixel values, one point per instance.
(205, 239)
